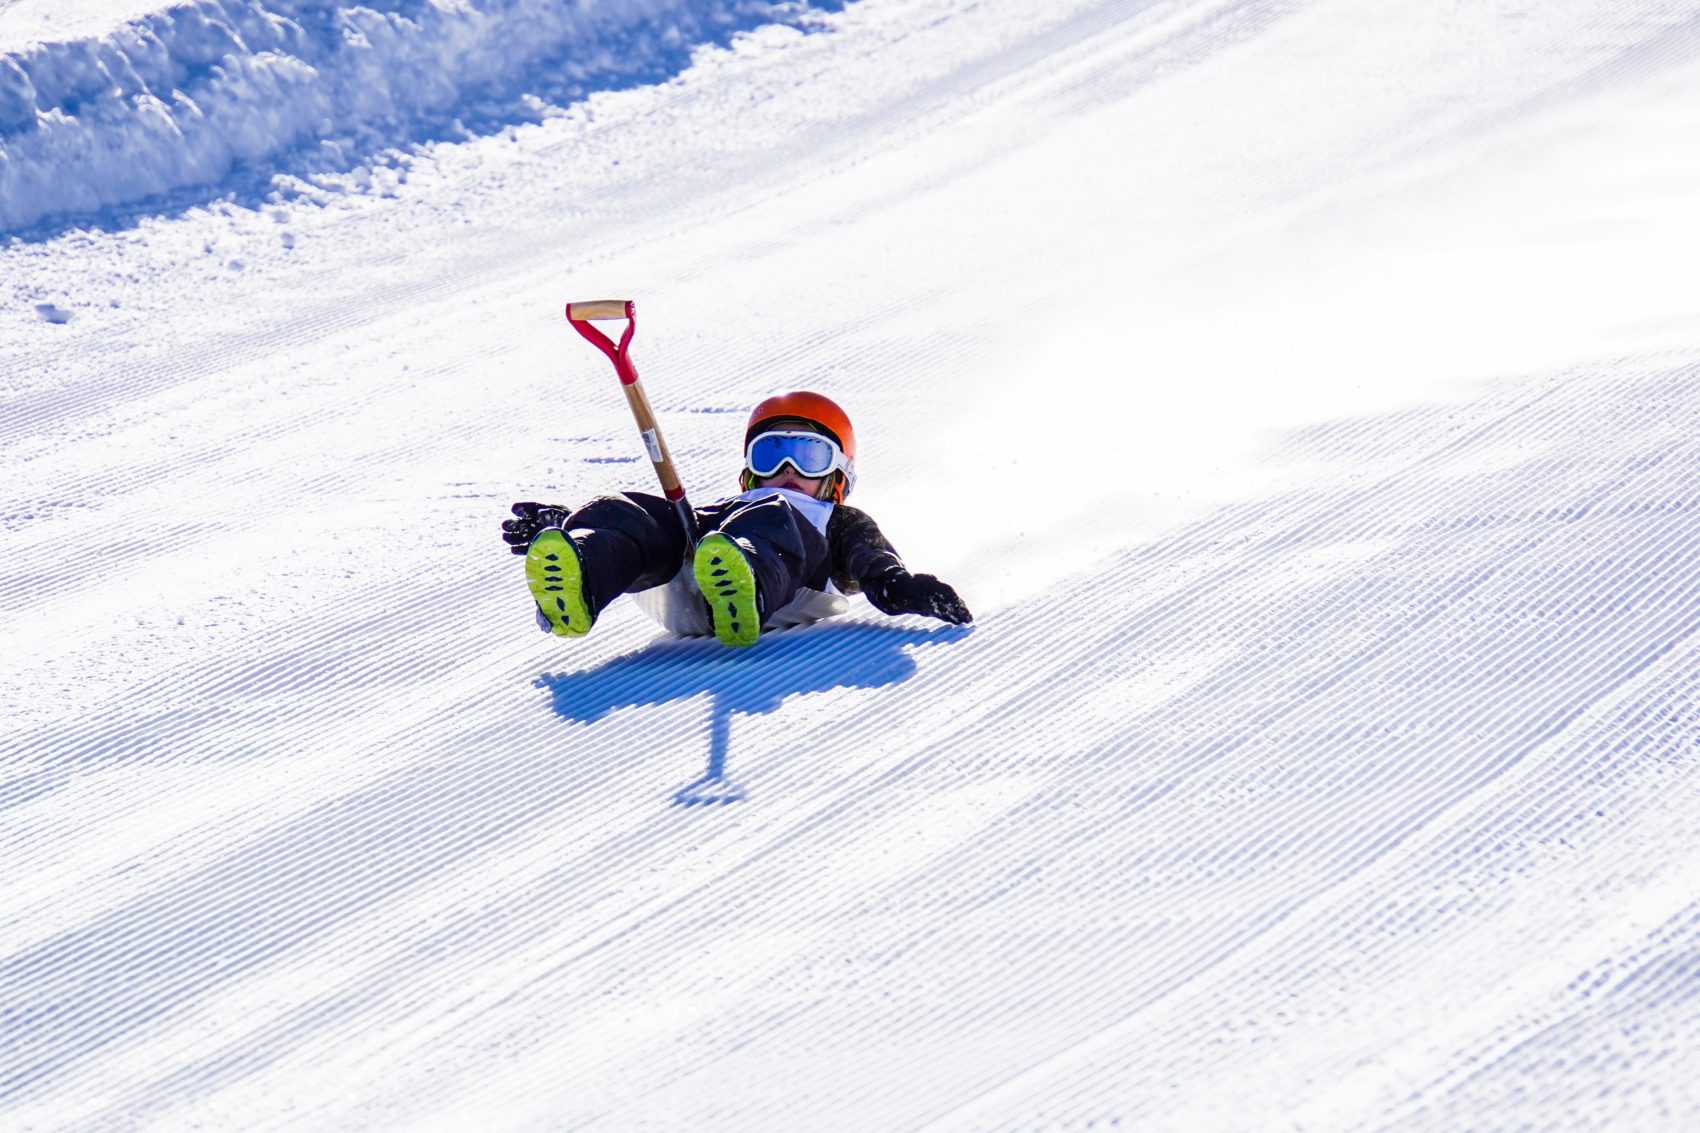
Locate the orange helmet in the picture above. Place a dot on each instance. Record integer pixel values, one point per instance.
(826, 417)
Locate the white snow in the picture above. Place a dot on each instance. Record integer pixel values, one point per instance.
(107, 103)
(1305, 398)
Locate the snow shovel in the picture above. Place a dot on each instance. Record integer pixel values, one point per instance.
(713, 787)
(582, 315)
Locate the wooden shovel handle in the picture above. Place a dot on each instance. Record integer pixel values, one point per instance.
(653, 442)
(600, 309)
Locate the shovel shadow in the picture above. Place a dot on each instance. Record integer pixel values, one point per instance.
(749, 681)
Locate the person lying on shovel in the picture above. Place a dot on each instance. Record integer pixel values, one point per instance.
(782, 552)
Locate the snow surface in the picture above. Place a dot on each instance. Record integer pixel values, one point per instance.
(108, 103)
(1305, 396)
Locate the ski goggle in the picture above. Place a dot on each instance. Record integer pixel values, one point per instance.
(811, 454)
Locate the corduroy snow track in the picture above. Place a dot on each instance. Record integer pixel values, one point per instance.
(1303, 395)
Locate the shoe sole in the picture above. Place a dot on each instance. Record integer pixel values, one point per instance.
(728, 583)
(555, 576)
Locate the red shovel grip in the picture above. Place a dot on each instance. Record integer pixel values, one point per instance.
(581, 314)
(601, 309)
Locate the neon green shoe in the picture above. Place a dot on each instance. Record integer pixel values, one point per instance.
(728, 582)
(555, 576)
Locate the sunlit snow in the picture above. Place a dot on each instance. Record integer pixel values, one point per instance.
(1304, 397)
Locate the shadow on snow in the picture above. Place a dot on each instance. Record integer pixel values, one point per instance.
(750, 681)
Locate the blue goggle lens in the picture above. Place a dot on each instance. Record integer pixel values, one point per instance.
(810, 455)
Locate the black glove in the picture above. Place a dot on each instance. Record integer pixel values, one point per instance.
(899, 592)
(518, 533)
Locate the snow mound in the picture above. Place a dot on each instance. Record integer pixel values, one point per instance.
(187, 95)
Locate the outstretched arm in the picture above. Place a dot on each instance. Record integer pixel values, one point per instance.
(899, 592)
(862, 559)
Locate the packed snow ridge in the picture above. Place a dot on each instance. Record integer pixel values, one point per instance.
(101, 114)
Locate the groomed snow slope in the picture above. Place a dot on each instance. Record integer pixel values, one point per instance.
(1305, 396)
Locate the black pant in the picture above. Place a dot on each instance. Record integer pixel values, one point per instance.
(634, 541)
